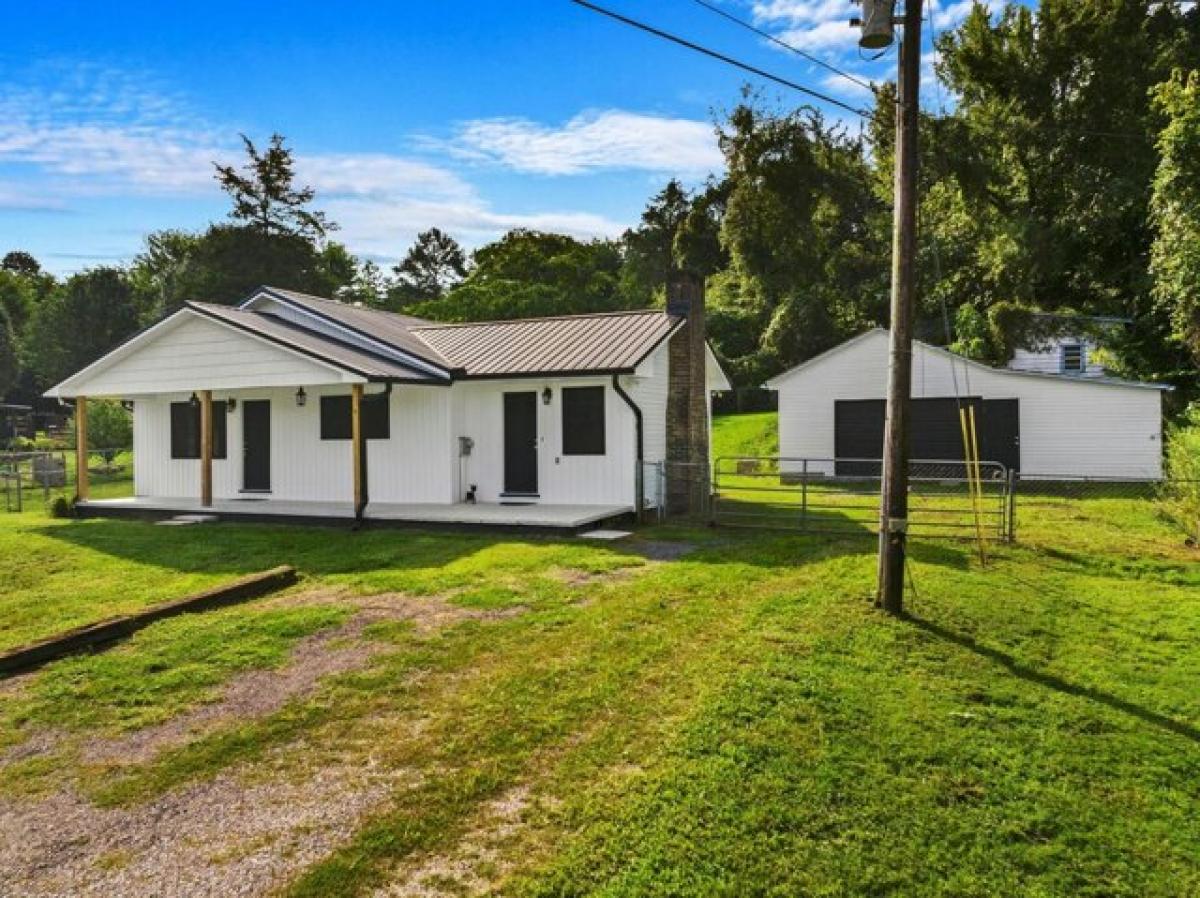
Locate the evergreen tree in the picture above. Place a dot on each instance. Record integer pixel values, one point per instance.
(265, 196)
(433, 265)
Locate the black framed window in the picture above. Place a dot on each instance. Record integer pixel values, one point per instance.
(583, 420)
(335, 418)
(185, 430)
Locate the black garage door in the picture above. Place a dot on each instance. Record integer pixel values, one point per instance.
(936, 432)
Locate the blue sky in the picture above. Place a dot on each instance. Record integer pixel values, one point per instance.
(472, 116)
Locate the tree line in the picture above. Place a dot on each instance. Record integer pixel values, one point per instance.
(1064, 179)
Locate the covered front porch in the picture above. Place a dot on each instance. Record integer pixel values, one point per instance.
(544, 517)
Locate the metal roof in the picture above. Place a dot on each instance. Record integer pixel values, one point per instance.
(390, 328)
(316, 345)
(774, 382)
(577, 344)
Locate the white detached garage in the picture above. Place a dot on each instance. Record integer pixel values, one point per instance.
(832, 406)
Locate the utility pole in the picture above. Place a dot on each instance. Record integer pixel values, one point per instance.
(893, 507)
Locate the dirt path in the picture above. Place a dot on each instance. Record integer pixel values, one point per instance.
(220, 837)
(227, 836)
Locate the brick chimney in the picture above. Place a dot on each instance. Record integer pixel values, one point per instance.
(687, 399)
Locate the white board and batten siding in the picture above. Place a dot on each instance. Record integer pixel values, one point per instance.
(413, 465)
(420, 461)
(1068, 426)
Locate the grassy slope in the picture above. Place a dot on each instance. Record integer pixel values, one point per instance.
(738, 722)
(749, 434)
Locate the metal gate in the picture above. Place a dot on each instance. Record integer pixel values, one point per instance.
(816, 495)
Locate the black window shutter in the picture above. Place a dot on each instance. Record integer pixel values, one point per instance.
(219, 413)
(336, 423)
(583, 421)
(185, 430)
(376, 418)
(335, 417)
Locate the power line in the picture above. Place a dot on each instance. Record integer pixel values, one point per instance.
(729, 60)
(782, 43)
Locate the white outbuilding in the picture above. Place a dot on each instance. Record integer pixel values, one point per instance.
(1040, 424)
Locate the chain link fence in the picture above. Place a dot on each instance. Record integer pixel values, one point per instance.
(1066, 500)
(841, 495)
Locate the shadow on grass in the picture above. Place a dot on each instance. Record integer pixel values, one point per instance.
(243, 548)
(239, 548)
(1040, 678)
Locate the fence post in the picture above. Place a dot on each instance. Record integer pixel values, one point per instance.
(1012, 505)
(709, 478)
(661, 490)
(804, 495)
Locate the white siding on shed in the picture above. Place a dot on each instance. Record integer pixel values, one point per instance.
(1068, 426)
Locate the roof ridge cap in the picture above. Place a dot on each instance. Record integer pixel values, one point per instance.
(444, 325)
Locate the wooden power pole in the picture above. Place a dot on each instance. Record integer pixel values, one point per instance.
(893, 510)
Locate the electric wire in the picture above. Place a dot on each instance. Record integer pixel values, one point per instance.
(728, 60)
(749, 26)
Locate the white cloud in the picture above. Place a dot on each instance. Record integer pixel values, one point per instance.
(795, 12)
(101, 133)
(382, 229)
(607, 139)
(952, 14)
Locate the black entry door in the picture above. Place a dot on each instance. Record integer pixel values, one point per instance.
(256, 445)
(520, 443)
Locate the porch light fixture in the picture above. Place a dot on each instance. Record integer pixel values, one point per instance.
(230, 405)
(195, 401)
(301, 398)
(547, 395)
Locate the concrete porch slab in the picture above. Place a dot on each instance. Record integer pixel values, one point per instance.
(569, 518)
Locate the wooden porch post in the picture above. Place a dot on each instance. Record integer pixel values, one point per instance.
(206, 447)
(81, 449)
(356, 441)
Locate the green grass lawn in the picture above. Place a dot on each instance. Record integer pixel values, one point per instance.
(739, 721)
(748, 434)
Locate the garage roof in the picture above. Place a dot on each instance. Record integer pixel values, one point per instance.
(775, 381)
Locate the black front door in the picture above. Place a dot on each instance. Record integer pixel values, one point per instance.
(520, 443)
(256, 445)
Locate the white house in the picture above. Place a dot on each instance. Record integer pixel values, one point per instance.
(1040, 424)
(320, 409)
(1066, 353)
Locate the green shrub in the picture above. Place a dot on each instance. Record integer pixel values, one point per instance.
(110, 425)
(1181, 493)
(60, 507)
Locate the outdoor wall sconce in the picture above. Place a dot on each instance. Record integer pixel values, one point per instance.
(301, 398)
(195, 401)
(547, 395)
(230, 405)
